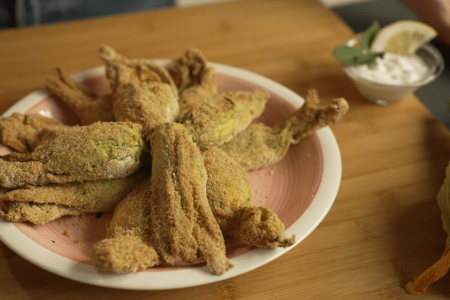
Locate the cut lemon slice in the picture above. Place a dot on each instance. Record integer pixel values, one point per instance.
(402, 37)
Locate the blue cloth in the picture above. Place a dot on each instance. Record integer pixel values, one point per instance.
(20, 13)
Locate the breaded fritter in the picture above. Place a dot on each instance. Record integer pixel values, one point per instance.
(260, 145)
(142, 70)
(216, 121)
(148, 104)
(23, 133)
(194, 78)
(231, 200)
(123, 254)
(95, 152)
(37, 213)
(141, 93)
(88, 106)
(181, 220)
(126, 247)
(43, 204)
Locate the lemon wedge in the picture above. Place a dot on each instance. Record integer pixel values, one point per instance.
(402, 37)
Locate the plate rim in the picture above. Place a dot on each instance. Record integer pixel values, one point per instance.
(326, 194)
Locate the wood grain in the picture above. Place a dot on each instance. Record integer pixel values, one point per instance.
(384, 228)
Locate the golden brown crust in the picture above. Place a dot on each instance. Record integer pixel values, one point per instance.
(54, 200)
(143, 92)
(132, 213)
(181, 220)
(194, 78)
(88, 107)
(312, 116)
(187, 70)
(149, 104)
(141, 70)
(231, 200)
(36, 213)
(260, 145)
(214, 122)
(123, 254)
(23, 133)
(127, 245)
(96, 152)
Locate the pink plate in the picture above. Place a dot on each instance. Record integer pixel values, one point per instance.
(300, 189)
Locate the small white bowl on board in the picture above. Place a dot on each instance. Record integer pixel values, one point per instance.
(385, 93)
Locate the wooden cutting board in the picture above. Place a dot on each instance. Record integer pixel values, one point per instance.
(384, 228)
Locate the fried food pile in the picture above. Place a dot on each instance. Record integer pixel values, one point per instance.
(165, 151)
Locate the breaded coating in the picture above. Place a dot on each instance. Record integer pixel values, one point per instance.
(260, 145)
(142, 70)
(40, 205)
(148, 104)
(95, 152)
(36, 213)
(23, 133)
(131, 216)
(141, 91)
(126, 247)
(214, 122)
(123, 254)
(194, 78)
(181, 220)
(88, 107)
(231, 200)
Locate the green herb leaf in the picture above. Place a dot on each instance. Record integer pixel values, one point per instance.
(355, 56)
(369, 35)
(346, 54)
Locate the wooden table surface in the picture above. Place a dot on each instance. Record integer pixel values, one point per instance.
(384, 228)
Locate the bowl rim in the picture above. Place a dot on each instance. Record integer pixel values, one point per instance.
(434, 73)
(60, 265)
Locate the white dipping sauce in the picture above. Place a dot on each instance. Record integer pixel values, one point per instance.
(394, 69)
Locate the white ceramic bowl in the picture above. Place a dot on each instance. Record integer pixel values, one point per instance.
(383, 93)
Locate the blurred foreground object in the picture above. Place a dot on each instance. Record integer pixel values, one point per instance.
(440, 268)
